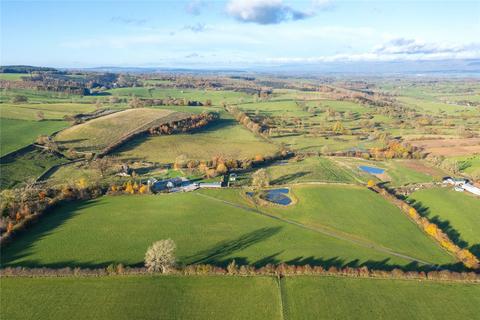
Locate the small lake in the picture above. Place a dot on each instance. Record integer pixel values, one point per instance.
(371, 170)
(278, 196)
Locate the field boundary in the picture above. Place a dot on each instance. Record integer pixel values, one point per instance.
(279, 272)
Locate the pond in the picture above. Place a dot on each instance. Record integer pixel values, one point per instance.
(278, 196)
(372, 170)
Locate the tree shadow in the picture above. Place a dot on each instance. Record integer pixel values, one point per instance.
(23, 244)
(444, 225)
(216, 254)
(290, 177)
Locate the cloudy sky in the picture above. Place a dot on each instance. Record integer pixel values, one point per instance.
(235, 32)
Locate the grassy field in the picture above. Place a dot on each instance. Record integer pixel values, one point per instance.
(13, 76)
(312, 169)
(216, 96)
(120, 228)
(15, 134)
(141, 297)
(397, 172)
(98, 133)
(51, 111)
(360, 214)
(225, 137)
(221, 297)
(348, 298)
(458, 213)
(26, 166)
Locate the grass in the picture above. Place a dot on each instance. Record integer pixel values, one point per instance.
(15, 134)
(311, 169)
(347, 298)
(118, 229)
(98, 133)
(13, 76)
(51, 111)
(361, 214)
(26, 166)
(216, 96)
(226, 297)
(141, 297)
(469, 164)
(456, 212)
(397, 172)
(225, 137)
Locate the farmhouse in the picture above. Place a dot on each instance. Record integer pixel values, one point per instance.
(462, 185)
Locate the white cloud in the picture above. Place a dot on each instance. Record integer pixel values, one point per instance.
(264, 11)
(195, 7)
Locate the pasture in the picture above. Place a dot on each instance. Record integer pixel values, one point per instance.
(397, 172)
(206, 229)
(99, 133)
(310, 170)
(220, 297)
(350, 298)
(43, 111)
(358, 213)
(216, 96)
(456, 212)
(26, 166)
(15, 133)
(224, 138)
(141, 297)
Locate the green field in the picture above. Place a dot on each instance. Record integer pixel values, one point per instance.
(26, 167)
(206, 230)
(224, 138)
(221, 297)
(397, 172)
(310, 170)
(347, 298)
(98, 133)
(50, 111)
(15, 134)
(456, 212)
(141, 297)
(361, 214)
(216, 96)
(13, 76)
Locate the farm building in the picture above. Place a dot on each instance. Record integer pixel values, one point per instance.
(454, 181)
(168, 184)
(210, 185)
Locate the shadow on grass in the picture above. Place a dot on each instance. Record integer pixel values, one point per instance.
(23, 245)
(217, 254)
(290, 177)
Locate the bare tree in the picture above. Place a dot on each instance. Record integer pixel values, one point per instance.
(160, 256)
(260, 178)
(102, 165)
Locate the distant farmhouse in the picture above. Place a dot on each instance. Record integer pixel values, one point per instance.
(462, 185)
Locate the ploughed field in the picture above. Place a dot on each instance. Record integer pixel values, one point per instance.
(220, 297)
(99, 133)
(217, 226)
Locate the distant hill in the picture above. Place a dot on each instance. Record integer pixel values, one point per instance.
(25, 69)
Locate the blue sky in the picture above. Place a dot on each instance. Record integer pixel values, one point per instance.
(235, 32)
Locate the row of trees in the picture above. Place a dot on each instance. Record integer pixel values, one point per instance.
(22, 206)
(246, 121)
(280, 270)
(465, 256)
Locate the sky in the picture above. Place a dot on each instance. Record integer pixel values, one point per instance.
(235, 33)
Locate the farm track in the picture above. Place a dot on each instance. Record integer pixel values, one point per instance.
(323, 231)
